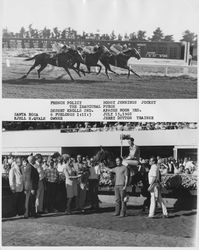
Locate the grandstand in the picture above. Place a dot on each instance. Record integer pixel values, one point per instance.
(177, 143)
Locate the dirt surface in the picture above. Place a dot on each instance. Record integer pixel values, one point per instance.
(58, 85)
(102, 229)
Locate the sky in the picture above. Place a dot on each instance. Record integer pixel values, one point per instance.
(122, 16)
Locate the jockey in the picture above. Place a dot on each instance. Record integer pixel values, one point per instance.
(90, 49)
(59, 48)
(117, 49)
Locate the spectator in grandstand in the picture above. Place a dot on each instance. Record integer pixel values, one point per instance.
(51, 175)
(170, 164)
(41, 183)
(154, 189)
(16, 185)
(188, 164)
(121, 181)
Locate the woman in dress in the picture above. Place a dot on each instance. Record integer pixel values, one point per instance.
(71, 183)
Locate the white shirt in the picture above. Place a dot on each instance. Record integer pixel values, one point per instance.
(153, 172)
(94, 172)
(60, 167)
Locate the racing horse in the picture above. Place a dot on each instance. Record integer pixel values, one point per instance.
(120, 60)
(91, 59)
(65, 60)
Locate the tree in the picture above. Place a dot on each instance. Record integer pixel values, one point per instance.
(56, 32)
(112, 35)
(119, 37)
(22, 32)
(63, 34)
(126, 37)
(46, 33)
(189, 36)
(168, 38)
(6, 33)
(132, 37)
(141, 35)
(157, 35)
(31, 31)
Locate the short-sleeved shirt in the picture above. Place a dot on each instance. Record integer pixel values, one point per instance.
(51, 175)
(153, 172)
(121, 173)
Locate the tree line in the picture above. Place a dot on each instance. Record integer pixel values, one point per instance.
(69, 33)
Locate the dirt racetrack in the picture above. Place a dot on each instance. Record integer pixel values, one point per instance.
(55, 83)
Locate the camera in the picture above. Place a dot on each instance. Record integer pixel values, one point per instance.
(125, 137)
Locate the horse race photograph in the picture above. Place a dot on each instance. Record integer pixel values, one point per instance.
(99, 49)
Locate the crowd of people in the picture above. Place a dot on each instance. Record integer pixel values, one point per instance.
(37, 178)
(97, 126)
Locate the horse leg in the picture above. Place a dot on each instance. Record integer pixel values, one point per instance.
(40, 69)
(130, 70)
(88, 68)
(33, 66)
(100, 67)
(76, 70)
(135, 73)
(109, 68)
(69, 73)
(128, 74)
(106, 71)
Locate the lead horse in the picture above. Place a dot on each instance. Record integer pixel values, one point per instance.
(120, 60)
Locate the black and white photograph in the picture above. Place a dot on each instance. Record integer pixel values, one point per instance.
(99, 183)
(99, 49)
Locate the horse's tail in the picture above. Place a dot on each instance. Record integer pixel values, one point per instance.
(29, 59)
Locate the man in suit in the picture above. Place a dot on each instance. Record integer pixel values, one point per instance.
(31, 179)
(40, 190)
(16, 185)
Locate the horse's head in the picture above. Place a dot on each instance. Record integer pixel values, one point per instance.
(135, 53)
(101, 49)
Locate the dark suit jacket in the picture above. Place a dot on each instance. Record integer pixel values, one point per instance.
(31, 178)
